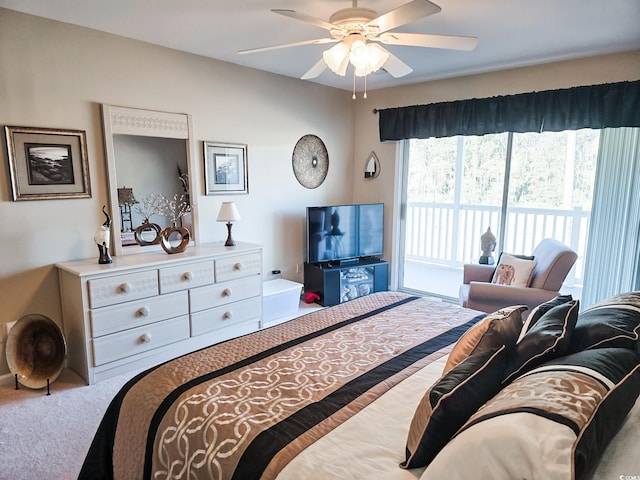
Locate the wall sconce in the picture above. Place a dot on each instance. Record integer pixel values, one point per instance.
(372, 166)
(229, 213)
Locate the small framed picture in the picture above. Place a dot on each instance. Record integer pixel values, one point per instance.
(47, 164)
(225, 168)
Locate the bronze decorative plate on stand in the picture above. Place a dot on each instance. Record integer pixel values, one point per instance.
(310, 161)
(36, 351)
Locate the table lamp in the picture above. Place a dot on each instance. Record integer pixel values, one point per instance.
(228, 213)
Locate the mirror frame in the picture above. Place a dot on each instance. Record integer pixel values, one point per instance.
(372, 161)
(144, 123)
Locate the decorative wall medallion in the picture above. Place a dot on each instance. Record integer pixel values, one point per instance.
(310, 161)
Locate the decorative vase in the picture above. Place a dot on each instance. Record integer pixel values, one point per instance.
(174, 239)
(148, 233)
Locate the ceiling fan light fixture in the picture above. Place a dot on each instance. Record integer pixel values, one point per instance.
(337, 58)
(366, 58)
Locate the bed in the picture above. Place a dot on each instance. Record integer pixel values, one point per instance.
(388, 386)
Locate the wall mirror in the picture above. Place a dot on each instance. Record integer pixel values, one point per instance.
(149, 157)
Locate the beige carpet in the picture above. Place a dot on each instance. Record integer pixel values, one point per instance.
(47, 437)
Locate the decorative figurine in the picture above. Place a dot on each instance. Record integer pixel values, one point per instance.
(103, 239)
(487, 245)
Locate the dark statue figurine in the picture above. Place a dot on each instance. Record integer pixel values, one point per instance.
(487, 245)
(103, 238)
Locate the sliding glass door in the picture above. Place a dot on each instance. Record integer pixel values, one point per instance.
(524, 187)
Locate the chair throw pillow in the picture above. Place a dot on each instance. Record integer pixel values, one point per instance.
(449, 403)
(498, 328)
(513, 270)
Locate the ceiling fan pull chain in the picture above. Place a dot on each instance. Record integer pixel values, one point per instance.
(365, 87)
(354, 86)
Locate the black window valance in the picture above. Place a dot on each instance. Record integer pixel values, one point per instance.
(595, 106)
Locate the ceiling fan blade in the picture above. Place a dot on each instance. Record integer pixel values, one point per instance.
(451, 42)
(396, 67)
(407, 13)
(314, 71)
(317, 41)
(305, 18)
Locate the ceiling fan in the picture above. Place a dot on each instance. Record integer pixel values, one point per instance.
(358, 33)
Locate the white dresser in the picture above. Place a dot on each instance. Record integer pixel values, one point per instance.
(147, 308)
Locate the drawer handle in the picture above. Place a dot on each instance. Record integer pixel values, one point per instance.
(227, 315)
(187, 276)
(145, 338)
(124, 288)
(143, 312)
(226, 292)
(237, 266)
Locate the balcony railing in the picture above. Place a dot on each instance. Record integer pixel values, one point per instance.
(449, 235)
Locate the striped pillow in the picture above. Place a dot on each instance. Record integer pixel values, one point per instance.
(548, 338)
(450, 402)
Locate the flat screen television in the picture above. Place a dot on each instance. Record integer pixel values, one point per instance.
(344, 232)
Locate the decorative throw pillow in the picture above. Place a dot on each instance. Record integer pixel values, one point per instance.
(614, 322)
(513, 270)
(450, 402)
(499, 328)
(547, 339)
(522, 431)
(540, 310)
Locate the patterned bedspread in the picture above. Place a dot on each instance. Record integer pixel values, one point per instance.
(244, 408)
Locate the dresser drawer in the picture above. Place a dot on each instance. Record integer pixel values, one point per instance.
(108, 320)
(239, 266)
(122, 288)
(219, 294)
(137, 340)
(232, 314)
(186, 276)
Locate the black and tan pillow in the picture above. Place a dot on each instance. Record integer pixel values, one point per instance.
(614, 322)
(450, 402)
(547, 339)
(553, 422)
(514, 270)
(540, 310)
(499, 328)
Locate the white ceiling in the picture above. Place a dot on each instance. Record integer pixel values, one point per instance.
(511, 33)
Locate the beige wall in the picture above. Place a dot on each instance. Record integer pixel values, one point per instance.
(56, 75)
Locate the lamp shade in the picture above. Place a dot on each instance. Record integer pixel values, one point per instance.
(228, 212)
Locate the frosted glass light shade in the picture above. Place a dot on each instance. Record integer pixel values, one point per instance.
(365, 58)
(337, 58)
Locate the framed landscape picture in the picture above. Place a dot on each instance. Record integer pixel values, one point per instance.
(47, 164)
(225, 168)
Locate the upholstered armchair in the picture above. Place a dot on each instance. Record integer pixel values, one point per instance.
(553, 262)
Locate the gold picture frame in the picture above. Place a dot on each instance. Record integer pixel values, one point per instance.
(225, 168)
(47, 163)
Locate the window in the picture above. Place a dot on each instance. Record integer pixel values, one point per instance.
(525, 187)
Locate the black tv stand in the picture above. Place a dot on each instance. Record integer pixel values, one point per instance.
(337, 282)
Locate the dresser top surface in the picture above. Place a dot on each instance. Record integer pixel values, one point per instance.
(91, 266)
